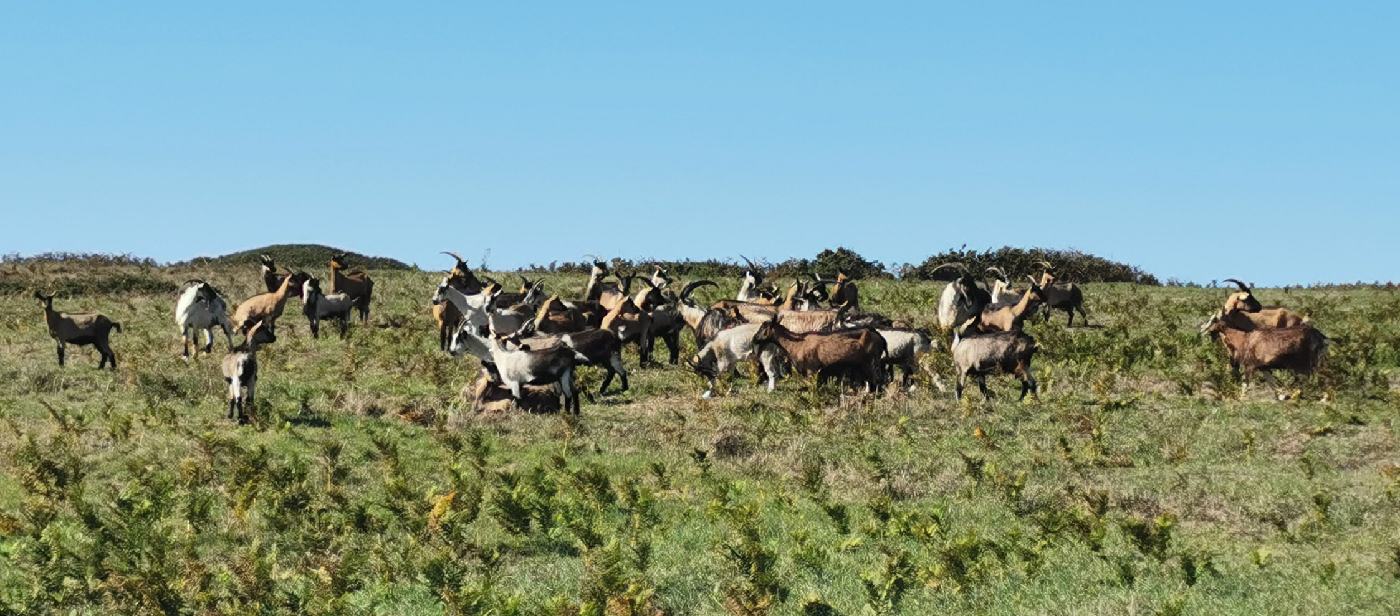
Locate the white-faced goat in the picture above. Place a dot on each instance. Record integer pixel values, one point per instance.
(518, 364)
(318, 306)
(357, 284)
(719, 356)
(240, 368)
(1299, 349)
(996, 353)
(749, 288)
(80, 329)
(267, 306)
(200, 307)
(962, 299)
(903, 348)
(855, 354)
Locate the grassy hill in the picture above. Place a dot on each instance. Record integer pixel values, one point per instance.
(1143, 480)
(298, 256)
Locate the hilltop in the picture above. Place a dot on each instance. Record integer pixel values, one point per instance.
(300, 256)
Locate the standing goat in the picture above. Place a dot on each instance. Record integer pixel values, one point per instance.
(357, 284)
(318, 306)
(1243, 311)
(240, 368)
(962, 299)
(1299, 349)
(1012, 318)
(1064, 296)
(1001, 352)
(271, 279)
(519, 365)
(719, 356)
(843, 291)
(445, 313)
(853, 353)
(200, 307)
(80, 329)
(903, 348)
(267, 306)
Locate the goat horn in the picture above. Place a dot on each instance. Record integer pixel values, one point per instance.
(958, 264)
(1243, 287)
(750, 263)
(454, 256)
(692, 286)
(1047, 264)
(998, 273)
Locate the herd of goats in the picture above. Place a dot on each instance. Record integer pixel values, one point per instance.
(530, 345)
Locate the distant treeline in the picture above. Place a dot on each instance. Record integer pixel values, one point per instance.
(300, 256)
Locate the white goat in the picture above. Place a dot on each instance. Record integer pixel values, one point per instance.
(903, 348)
(729, 347)
(200, 307)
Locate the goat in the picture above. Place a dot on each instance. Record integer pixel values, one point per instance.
(556, 317)
(1064, 296)
(666, 320)
(660, 277)
(720, 355)
(489, 395)
(515, 316)
(240, 368)
(903, 348)
(1243, 311)
(200, 307)
(1008, 352)
(1012, 318)
(608, 294)
(697, 318)
(271, 279)
(523, 365)
(843, 291)
(267, 306)
(357, 284)
(631, 324)
(317, 306)
(80, 329)
(856, 353)
(748, 289)
(447, 316)
(1299, 349)
(961, 299)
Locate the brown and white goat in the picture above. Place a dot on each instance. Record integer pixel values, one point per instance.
(843, 291)
(271, 279)
(1012, 318)
(240, 368)
(853, 353)
(357, 284)
(608, 294)
(631, 324)
(1299, 349)
(80, 329)
(445, 313)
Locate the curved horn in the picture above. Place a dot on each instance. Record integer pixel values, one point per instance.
(958, 264)
(692, 286)
(750, 263)
(1047, 264)
(996, 271)
(525, 282)
(454, 256)
(1243, 287)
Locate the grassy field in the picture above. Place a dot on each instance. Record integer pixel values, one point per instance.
(1142, 482)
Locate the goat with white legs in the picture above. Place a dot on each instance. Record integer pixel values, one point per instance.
(962, 298)
(200, 307)
(1008, 352)
(80, 329)
(718, 357)
(318, 306)
(240, 368)
(518, 364)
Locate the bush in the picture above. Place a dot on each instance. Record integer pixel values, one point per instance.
(1070, 265)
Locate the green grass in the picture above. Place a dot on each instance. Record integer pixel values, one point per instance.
(1143, 481)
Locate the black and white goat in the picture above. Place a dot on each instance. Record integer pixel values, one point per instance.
(318, 306)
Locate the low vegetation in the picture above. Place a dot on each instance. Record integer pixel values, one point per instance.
(1143, 480)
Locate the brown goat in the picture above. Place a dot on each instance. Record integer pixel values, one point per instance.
(853, 353)
(554, 317)
(1299, 349)
(1012, 318)
(631, 324)
(267, 306)
(1243, 311)
(357, 284)
(80, 329)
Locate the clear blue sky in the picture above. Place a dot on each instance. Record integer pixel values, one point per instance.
(1192, 139)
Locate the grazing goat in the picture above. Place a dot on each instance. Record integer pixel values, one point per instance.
(719, 356)
(200, 307)
(1007, 352)
(903, 348)
(357, 284)
(80, 329)
(267, 306)
(1012, 318)
(1299, 349)
(317, 306)
(853, 353)
(962, 299)
(1065, 296)
(271, 279)
(240, 369)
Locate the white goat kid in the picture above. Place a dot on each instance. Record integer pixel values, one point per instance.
(200, 307)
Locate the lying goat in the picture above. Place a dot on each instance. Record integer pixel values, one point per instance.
(200, 307)
(240, 369)
(80, 329)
